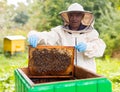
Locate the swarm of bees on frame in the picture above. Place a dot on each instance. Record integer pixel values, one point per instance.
(50, 61)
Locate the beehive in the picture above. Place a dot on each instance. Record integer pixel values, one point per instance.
(51, 61)
(84, 81)
(14, 44)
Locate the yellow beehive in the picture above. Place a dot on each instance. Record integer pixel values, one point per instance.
(14, 44)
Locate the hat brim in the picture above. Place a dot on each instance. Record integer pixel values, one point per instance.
(87, 19)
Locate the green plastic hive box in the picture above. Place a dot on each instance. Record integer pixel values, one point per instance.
(83, 81)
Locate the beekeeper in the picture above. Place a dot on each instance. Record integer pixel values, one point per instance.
(77, 31)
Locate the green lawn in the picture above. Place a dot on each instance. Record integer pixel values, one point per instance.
(7, 67)
(109, 68)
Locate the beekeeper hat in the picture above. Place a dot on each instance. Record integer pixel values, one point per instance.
(75, 7)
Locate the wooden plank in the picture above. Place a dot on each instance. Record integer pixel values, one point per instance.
(50, 76)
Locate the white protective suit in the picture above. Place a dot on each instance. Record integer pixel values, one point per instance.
(62, 36)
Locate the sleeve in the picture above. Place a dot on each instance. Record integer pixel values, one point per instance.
(45, 38)
(95, 45)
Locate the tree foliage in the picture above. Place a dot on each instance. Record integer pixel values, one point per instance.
(21, 18)
(44, 14)
(6, 13)
(108, 26)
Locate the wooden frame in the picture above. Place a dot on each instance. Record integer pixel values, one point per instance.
(68, 73)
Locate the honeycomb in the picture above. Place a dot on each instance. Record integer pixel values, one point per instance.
(50, 61)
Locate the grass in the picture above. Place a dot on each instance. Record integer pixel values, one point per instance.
(108, 68)
(7, 67)
(9, 64)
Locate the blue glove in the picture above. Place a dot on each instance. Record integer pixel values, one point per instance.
(81, 47)
(33, 40)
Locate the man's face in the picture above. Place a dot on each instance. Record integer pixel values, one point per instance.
(75, 19)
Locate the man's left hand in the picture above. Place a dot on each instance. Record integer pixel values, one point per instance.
(81, 47)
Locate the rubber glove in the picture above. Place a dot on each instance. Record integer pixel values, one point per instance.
(81, 47)
(33, 40)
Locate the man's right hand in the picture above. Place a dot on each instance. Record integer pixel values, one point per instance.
(33, 40)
